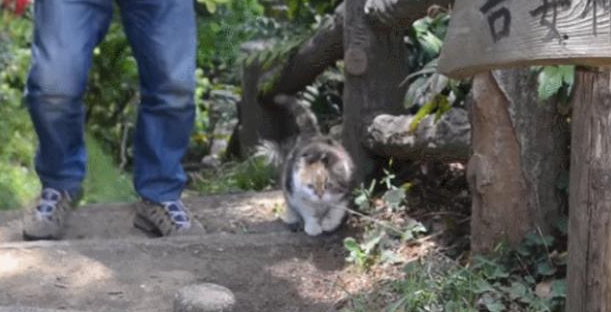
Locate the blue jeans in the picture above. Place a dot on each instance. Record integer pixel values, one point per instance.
(162, 34)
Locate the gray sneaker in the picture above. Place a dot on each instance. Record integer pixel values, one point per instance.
(47, 219)
(166, 219)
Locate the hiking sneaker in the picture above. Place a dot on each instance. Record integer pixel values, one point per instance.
(47, 219)
(165, 219)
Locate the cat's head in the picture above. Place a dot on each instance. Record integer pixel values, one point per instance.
(319, 175)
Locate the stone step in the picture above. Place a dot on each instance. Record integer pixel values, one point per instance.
(236, 213)
(29, 309)
(267, 272)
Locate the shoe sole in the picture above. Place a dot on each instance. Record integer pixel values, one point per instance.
(141, 223)
(29, 238)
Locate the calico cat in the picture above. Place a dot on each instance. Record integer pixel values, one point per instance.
(316, 177)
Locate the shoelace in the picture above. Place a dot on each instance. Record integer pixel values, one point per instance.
(48, 202)
(177, 212)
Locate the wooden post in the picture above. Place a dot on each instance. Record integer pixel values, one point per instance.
(589, 264)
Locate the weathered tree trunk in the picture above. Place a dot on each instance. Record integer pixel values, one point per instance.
(375, 65)
(400, 12)
(589, 266)
(259, 121)
(519, 152)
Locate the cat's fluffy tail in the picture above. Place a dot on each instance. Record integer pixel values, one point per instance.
(306, 120)
(271, 153)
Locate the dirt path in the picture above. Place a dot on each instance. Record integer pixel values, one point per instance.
(106, 265)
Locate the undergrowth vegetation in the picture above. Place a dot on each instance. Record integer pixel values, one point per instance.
(434, 274)
(253, 174)
(18, 182)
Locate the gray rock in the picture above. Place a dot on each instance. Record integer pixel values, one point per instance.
(204, 298)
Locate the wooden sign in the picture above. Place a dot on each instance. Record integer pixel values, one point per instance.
(492, 34)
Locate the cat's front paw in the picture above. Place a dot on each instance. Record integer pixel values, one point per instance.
(329, 225)
(313, 229)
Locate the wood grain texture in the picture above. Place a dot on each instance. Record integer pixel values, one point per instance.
(401, 13)
(492, 34)
(589, 256)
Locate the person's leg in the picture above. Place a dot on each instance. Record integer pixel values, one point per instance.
(163, 38)
(66, 32)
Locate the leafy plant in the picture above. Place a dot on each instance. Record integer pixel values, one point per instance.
(382, 233)
(527, 278)
(430, 92)
(307, 11)
(18, 180)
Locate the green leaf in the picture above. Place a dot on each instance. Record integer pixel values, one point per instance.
(388, 256)
(535, 239)
(210, 5)
(362, 201)
(424, 111)
(493, 305)
(351, 244)
(550, 81)
(394, 198)
(482, 286)
(372, 242)
(517, 290)
(546, 269)
(444, 107)
(412, 229)
(523, 251)
(559, 288)
(415, 91)
(568, 75)
(530, 280)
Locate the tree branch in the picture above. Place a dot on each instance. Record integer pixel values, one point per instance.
(313, 57)
(447, 139)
